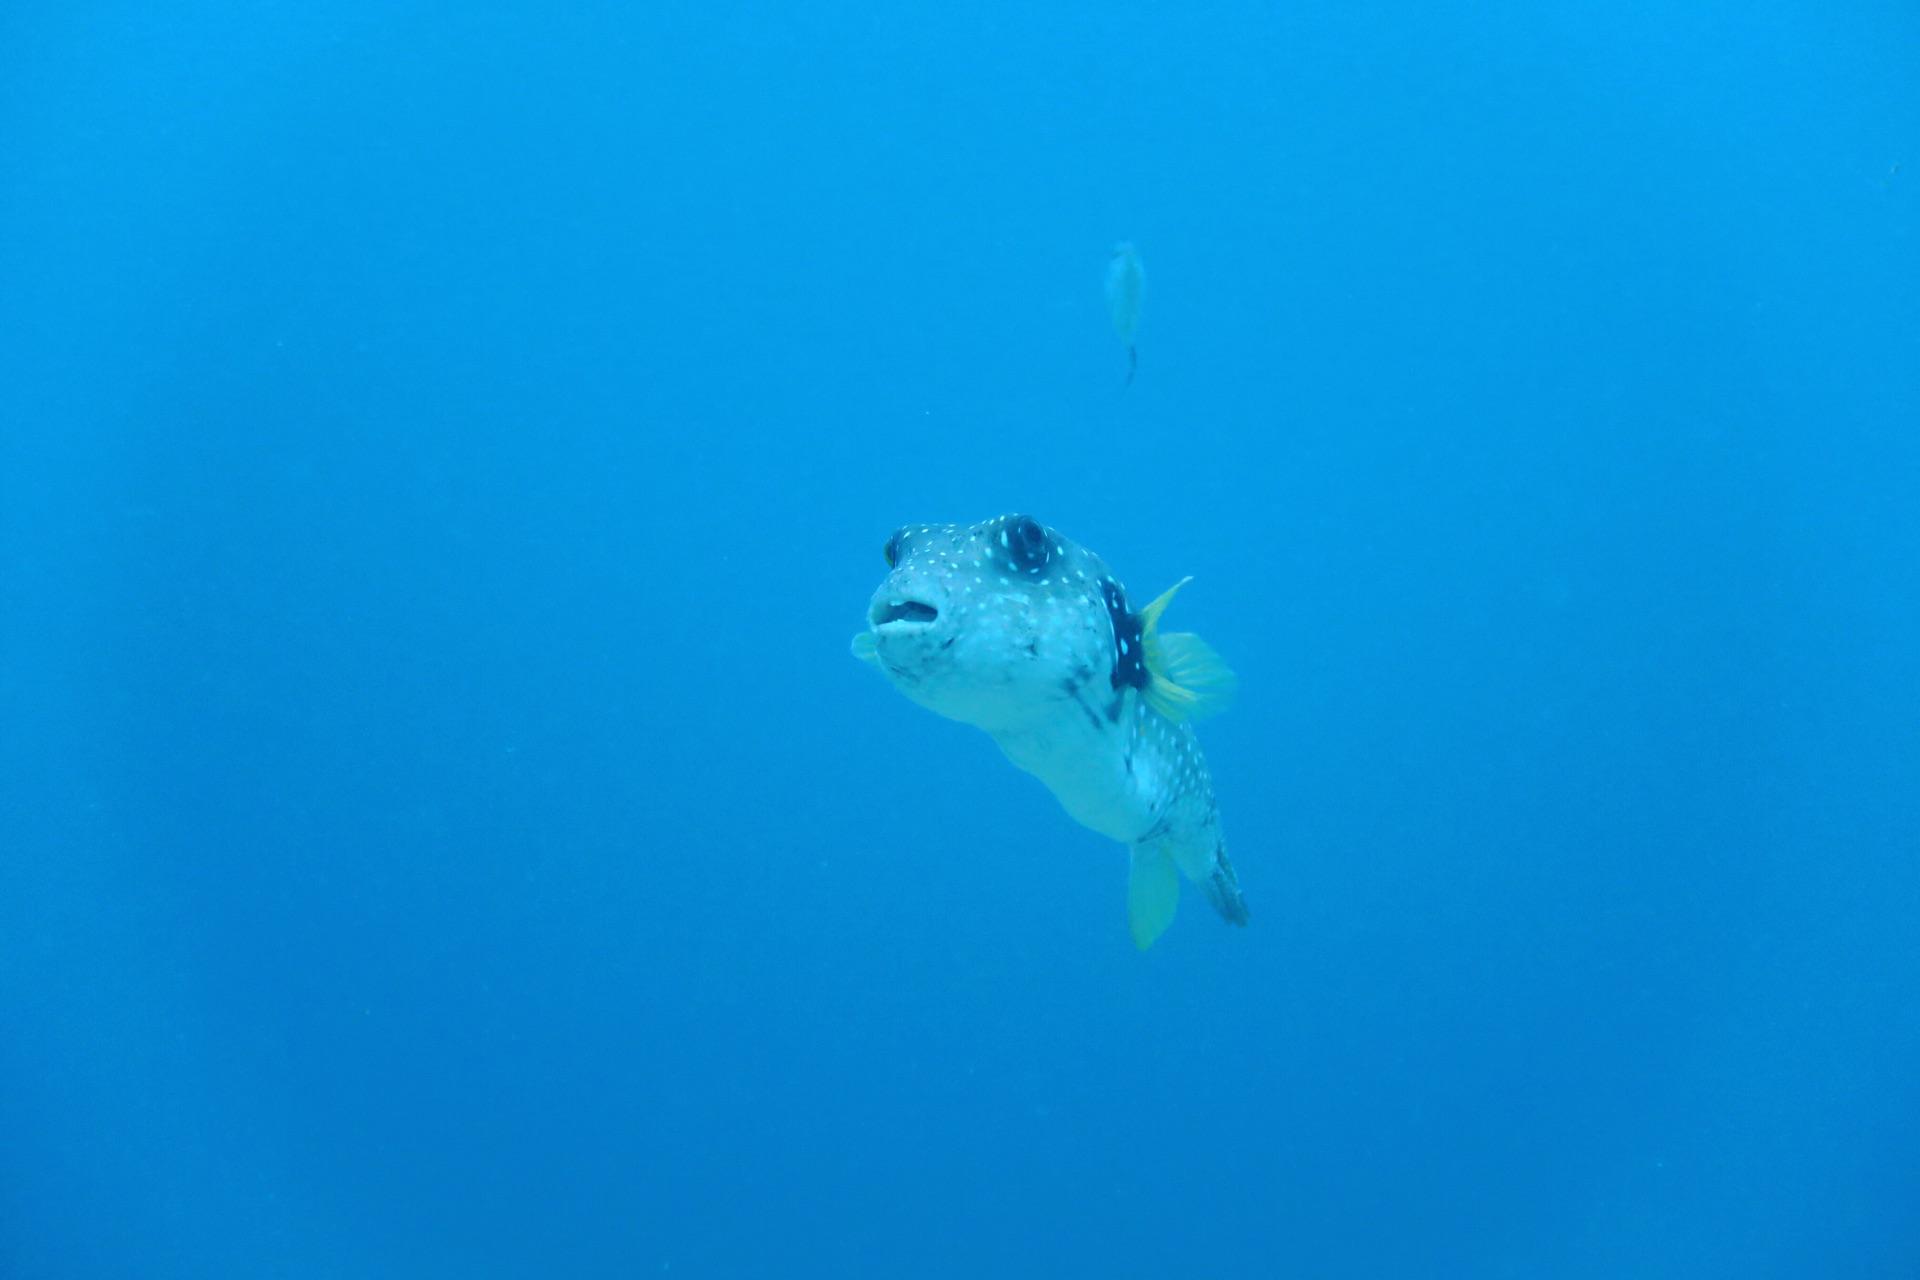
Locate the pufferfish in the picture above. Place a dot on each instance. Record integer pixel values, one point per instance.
(1009, 626)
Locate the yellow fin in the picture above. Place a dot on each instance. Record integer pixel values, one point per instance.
(1153, 894)
(1186, 680)
(866, 648)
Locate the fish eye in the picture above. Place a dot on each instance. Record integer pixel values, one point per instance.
(891, 552)
(1027, 543)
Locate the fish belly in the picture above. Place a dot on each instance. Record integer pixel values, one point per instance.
(1086, 769)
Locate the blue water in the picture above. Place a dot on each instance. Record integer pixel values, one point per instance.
(445, 450)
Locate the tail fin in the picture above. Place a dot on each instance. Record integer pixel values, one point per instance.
(1153, 886)
(1203, 859)
(1222, 888)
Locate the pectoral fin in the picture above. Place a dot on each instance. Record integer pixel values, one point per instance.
(1186, 679)
(1153, 893)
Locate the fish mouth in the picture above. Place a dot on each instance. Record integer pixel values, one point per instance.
(902, 615)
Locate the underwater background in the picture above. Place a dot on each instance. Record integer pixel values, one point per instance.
(446, 449)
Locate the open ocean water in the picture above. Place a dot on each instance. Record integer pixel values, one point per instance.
(445, 450)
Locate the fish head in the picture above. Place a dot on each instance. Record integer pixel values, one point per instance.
(993, 624)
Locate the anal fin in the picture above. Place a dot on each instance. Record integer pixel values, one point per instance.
(1153, 893)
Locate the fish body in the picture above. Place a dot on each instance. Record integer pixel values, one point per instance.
(1126, 294)
(1013, 628)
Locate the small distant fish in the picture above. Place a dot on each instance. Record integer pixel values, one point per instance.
(1126, 292)
(1009, 626)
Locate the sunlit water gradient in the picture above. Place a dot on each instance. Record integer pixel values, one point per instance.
(445, 449)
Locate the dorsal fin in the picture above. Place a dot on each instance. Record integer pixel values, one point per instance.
(1187, 680)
